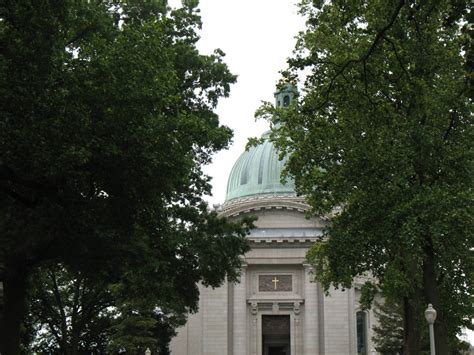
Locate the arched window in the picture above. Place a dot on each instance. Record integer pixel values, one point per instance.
(286, 100)
(361, 326)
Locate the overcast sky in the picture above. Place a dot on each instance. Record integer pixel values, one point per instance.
(257, 37)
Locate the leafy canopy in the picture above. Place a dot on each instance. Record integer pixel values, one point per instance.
(105, 121)
(382, 141)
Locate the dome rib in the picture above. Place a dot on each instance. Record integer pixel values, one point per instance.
(257, 172)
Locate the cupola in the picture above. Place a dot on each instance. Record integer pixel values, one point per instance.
(285, 95)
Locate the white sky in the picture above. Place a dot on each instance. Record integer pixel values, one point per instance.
(257, 37)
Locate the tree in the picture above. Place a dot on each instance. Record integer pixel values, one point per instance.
(105, 120)
(388, 335)
(68, 313)
(382, 141)
(139, 327)
(71, 314)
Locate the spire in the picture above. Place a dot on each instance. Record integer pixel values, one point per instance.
(285, 94)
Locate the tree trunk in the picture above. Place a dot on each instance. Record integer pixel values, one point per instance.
(14, 308)
(411, 333)
(431, 293)
(74, 344)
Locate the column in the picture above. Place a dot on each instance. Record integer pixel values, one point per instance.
(255, 331)
(352, 320)
(240, 314)
(322, 337)
(310, 329)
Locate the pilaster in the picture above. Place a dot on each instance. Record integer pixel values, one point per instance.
(240, 321)
(311, 331)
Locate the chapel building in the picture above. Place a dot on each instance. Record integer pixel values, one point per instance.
(277, 308)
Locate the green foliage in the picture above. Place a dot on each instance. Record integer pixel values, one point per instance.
(381, 141)
(105, 121)
(140, 326)
(71, 314)
(388, 335)
(368, 292)
(68, 313)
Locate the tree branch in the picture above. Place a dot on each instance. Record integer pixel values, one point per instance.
(381, 34)
(451, 125)
(44, 188)
(7, 174)
(81, 34)
(395, 51)
(16, 196)
(54, 331)
(57, 296)
(76, 300)
(366, 56)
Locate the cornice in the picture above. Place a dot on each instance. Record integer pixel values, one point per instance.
(246, 205)
(283, 241)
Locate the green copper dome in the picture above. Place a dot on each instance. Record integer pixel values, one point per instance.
(257, 172)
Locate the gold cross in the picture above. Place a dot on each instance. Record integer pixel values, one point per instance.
(275, 281)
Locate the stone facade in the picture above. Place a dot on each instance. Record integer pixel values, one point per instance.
(275, 281)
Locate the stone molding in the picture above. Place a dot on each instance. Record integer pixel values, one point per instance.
(275, 306)
(280, 241)
(290, 202)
